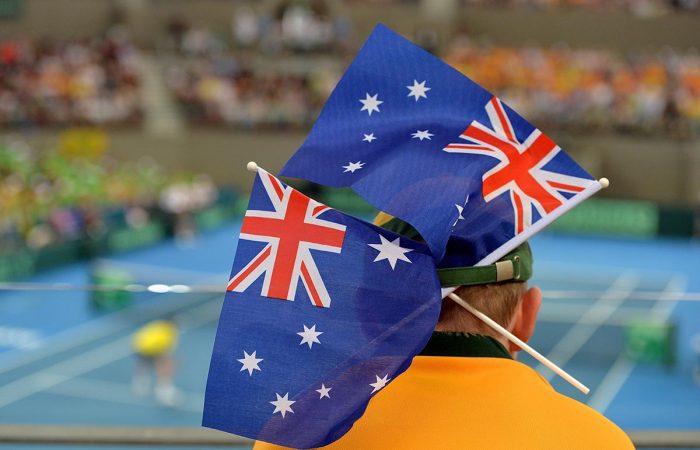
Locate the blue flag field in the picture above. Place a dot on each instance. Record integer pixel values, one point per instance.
(424, 143)
(322, 311)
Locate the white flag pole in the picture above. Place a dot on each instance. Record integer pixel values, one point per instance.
(514, 339)
(252, 166)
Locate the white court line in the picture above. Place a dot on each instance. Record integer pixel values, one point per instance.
(663, 308)
(85, 362)
(611, 384)
(572, 314)
(109, 391)
(591, 274)
(37, 382)
(593, 269)
(622, 368)
(140, 268)
(581, 332)
(90, 331)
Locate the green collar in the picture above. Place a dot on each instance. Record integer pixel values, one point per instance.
(463, 344)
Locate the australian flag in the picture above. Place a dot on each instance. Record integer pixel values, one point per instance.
(321, 312)
(424, 143)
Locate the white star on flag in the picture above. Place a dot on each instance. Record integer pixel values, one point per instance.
(283, 405)
(391, 251)
(425, 134)
(460, 209)
(370, 103)
(369, 137)
(324, 391)
(353, 166)
(250, 362)
(418, 90)
(380, 383)
(310, 336)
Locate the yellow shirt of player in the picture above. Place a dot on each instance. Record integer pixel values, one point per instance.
(155, 338)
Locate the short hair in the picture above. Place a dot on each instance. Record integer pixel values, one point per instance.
(496, 300)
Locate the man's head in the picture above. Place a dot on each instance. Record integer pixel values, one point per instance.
(513, 305)
(499, 290)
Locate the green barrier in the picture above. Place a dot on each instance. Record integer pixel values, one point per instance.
(650, 341)
(94, 246)
(10, 9)
(214, 217)
(240, 206)
(132, 238)
(26, 262)
(18, 264)
(110, 278)
(676, 221)
(348, 201)
(616, 217)
(56, 255)
(594, 216)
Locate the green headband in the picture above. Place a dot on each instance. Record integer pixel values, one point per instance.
(515, 266)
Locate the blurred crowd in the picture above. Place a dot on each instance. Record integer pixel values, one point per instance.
(279, 64)
(640, 7)
(50, 82)
(50, 197)
(219, 81)
(222, 91)
(556, 87)
(590, 88)
(290, 26)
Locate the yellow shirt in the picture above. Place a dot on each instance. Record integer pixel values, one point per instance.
(476, 403)
(155, 338)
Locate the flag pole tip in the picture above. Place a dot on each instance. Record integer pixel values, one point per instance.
(604, 182)
(252, 166)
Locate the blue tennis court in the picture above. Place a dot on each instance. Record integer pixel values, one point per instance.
(61, 362)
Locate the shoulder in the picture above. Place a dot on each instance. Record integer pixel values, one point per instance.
(563, 418)
(508, 400)
(578, 420)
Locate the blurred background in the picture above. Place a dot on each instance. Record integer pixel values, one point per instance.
(125, 126)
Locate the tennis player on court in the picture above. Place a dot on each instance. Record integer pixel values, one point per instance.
(153, 344)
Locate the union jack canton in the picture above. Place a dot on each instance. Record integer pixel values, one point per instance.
(519, 170)
(290, 232)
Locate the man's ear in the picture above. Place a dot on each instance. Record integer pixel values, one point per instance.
(526, 317)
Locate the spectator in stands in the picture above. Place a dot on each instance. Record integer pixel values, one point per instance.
(466, 390)
(584, 88)
(245, 27)
(74, 82)
(52, 198)
(183, 199)
(176, 28)
(199, 41)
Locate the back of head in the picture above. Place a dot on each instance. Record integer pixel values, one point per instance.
(499, 301)
(486, 288)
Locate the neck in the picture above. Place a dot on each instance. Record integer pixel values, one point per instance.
(464, 345)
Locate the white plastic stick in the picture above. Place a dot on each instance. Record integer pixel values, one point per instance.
(531, 351)
(252, 166)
